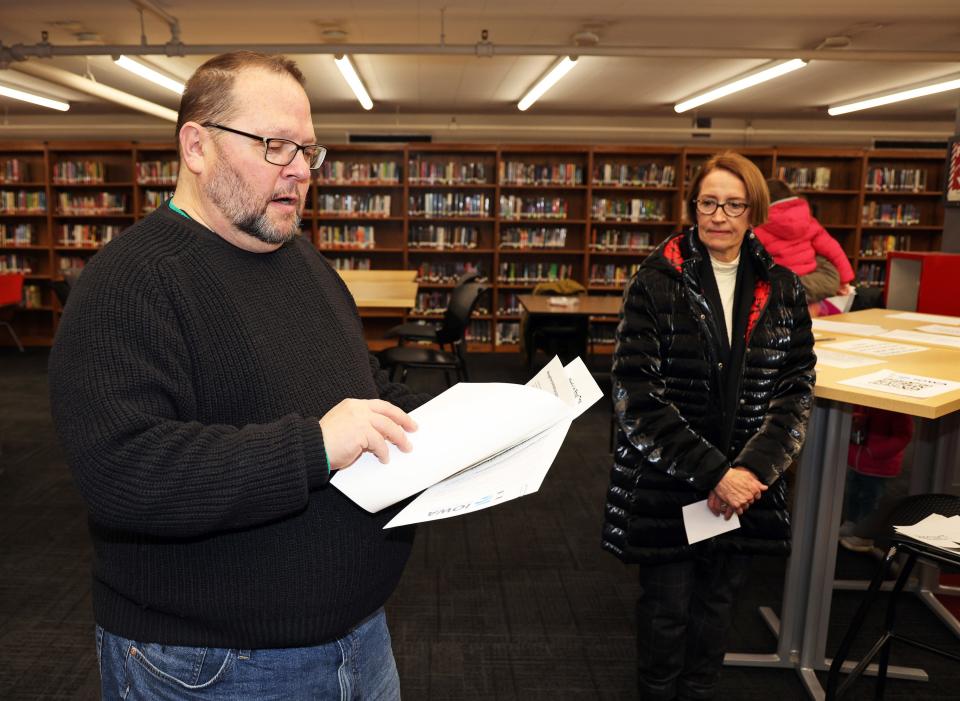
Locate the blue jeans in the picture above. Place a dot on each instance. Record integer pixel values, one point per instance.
(359, 665)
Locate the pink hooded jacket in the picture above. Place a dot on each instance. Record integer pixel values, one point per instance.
(794, 239)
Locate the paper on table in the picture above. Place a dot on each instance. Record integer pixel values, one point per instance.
(466, 424)
(934, 318)
(846, 327)
(701, 523)
(891, 382)
(842, 303)
(870, 346)
(937, 530)
(940, 328)
(835, 359)
(920, 337)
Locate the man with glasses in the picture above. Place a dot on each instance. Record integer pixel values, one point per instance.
(208, 375)
(712, 386)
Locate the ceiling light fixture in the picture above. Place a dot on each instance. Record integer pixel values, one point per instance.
(953, 83)
(768, 72)
(34, 99)
(150, 74)
(349, 74)
(560, 69)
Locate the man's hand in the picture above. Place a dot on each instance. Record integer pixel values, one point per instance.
(738, 489)
(356, 425)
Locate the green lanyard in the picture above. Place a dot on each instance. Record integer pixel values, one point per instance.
(176, 209)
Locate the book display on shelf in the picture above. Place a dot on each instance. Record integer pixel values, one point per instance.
(517, 214)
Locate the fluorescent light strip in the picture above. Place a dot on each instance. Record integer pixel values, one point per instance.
(769, 73)
(35, 99)
(353, 80)
(149, 74)
(899, 96)
(548, 81)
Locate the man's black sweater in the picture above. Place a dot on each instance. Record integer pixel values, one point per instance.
(187, 380)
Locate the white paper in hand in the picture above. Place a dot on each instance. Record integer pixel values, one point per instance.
(701, 523)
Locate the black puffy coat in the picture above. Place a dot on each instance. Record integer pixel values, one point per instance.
(685, 416)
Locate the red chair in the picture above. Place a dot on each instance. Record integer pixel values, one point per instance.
(11, 297)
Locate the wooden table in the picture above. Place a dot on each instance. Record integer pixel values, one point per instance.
(808, 590)
(389, 290)
(591, 305)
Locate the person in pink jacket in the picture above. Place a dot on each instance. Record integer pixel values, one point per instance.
(797, 241)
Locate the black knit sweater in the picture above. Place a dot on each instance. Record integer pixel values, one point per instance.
(187, 380)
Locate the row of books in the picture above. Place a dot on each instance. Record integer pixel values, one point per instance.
(359, 173)
(532, 272)
(71, 262)
(897, 179)
(509, 303)
(92, 203)
(871, 273)
(635, 175)
(804, 178)
(879, 245)
(518, 207)
(508, 333)
(616, 274)
(16, 263)
(32, 201)
(154, 198)
(79, 172)
(347, 236)
(635, 209)
(890, 214)
(479, 331)
(434, 302)
(447, 271)
(450, 204)
(347, 204)
(350, 263)
(13, 170)
(32, 296)
(88, 235)
(430, 172)
(522, 237)
(620, 240)
(158, 172)
(519, 173)
(16, 234)
(439, 237)
(602, 333)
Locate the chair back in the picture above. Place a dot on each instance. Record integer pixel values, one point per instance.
(11, 289)
(456, 319)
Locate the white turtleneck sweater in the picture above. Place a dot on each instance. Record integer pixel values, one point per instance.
(726, 275)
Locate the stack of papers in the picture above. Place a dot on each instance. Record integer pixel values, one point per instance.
(477, 445)
(937, 531)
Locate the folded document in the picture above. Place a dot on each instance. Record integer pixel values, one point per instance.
(477, 445)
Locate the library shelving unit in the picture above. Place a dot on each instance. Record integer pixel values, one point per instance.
(451, 214)
(516, 214)
(25, 236)
(902, 208)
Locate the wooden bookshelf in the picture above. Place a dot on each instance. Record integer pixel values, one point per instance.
(514, 213)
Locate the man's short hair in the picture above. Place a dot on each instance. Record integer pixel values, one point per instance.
(743, 168)
(208, 96)
(779, 190)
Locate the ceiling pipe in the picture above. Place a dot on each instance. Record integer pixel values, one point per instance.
(85, 85)
(22, 52)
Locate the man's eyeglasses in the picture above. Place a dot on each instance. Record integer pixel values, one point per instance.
(281, 152)
(732, 208)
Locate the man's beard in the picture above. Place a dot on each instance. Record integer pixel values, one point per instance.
(232, 196)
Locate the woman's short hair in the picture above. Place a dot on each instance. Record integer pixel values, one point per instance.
(779, 190)
(208, 95)
(743, 168)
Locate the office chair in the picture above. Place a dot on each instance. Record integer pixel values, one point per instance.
(11, 298)
(908, 511)
(415, 331)
(555, 334)
(452, 332)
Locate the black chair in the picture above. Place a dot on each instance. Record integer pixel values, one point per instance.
(904, 513)
(426, 333)
(451, 332)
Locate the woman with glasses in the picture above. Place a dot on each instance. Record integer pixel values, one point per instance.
(712, 387)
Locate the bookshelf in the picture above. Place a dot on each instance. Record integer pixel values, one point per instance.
(515, 213)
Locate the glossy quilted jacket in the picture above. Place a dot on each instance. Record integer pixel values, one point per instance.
(668, 398)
